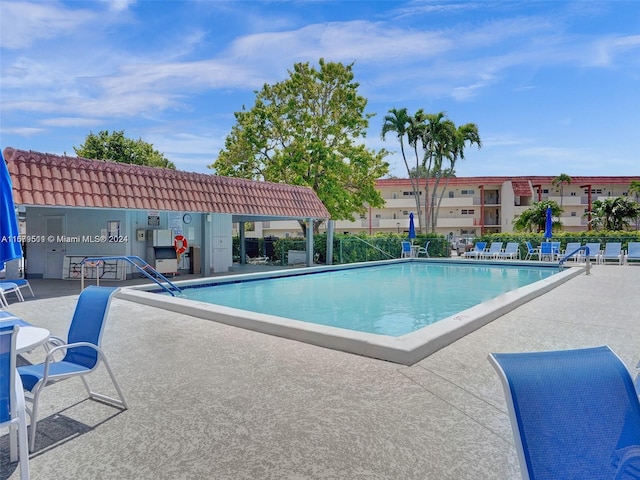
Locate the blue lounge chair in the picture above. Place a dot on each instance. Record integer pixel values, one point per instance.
(83, 354)
(633, 251)
(532, 252)
(594, 252)
(612, 251)
(406, 250)
(571, 251)
(12, 406)
(6, 288)
(494, 249)
(511, 251)
(574, 414)
(478, 250)
(547, 251)
(21, 283)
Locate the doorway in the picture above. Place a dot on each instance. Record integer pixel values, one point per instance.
(55, 247)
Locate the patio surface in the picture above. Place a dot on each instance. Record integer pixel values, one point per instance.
(211, 401)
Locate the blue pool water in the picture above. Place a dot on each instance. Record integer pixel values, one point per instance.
(386, 300)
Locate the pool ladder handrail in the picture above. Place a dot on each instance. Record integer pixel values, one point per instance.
(142, 266)
(373, 246)
(567, 256)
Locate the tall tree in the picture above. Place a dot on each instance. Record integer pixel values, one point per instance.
(560, 181)
(464, 135)
(398, 121)
(307, 130)
(115, 146)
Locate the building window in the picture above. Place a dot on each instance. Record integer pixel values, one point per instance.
(545, 190)
(451, 193)
(467, 192)
(409, 194)
(378, 215)
(574, 214)
(363, 217)
(573, 194)
(465, 211)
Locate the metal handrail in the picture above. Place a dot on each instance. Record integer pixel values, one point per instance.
(131, 259)
(567, 256)
(375, 247)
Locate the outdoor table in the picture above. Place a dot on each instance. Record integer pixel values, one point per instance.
(29, 337)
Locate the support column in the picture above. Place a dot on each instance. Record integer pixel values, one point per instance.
(330, 228)
(243, 256)
(309, 242)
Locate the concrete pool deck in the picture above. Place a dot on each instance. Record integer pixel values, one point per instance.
(212, 401)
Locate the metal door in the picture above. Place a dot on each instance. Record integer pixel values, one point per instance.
(55, 247)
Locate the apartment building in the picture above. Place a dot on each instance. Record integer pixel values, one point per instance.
(471, 205)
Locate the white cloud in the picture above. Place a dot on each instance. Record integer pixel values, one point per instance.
(25, 23)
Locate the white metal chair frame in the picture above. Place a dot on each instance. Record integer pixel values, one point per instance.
(69, 370)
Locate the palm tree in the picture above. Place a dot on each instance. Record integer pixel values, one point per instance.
(614, 213)
(463, 135)
(560, 180)
(398, 121)
(436, 135)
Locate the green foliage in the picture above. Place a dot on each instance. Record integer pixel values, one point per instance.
(307, 130)
(615, 213)
(534, 218)
(352, 248)
(116, 147)
(441, 143)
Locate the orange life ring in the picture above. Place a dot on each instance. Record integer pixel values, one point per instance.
(180, 244)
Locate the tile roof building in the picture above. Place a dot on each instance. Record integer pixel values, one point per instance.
(70, 204)
(477, 205)
(51, 180)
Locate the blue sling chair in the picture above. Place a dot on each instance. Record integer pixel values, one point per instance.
(574, 414)
(82, 354)
(12, 407)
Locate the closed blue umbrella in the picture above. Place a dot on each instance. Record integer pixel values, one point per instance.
(548, 225)
(10, 248)
(412, 227)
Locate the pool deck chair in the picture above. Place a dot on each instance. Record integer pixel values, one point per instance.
(574, 414)
(21, 283)
(510, 252)
(423, 250)
(6, 288)
(494, 249)
(548, 252)
(633, 251)
(406, 250)
(532, 252)
(12, 406)
(571, 248)
(82, 354)
(478, 250)
(612, 251)
(594, 252)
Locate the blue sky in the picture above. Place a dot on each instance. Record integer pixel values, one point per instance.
(554, 86)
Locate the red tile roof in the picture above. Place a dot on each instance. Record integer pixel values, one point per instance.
(497, 181)
(521, 188)
(52, 180)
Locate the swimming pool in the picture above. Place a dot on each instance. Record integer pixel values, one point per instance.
(384, 299)
(421, 306)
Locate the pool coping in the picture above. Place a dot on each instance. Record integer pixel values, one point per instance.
(406, 349)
